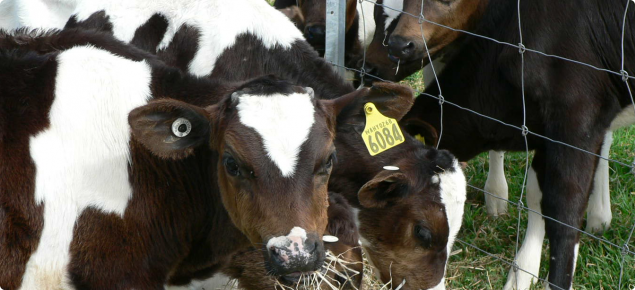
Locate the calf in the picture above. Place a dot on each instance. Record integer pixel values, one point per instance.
(563, 103)
(359, 24)
(114, 191)
(379, 64)
(254, 39)
(408, 214)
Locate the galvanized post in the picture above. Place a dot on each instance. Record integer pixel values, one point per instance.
(335, 31)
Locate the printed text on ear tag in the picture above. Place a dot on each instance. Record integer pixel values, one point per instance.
(381, 133)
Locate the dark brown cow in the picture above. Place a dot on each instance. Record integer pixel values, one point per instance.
(78, 187)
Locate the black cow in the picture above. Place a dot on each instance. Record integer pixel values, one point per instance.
(564, 101)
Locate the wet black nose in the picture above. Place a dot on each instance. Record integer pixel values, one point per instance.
(401, 48)
(290, 258)
(315, 34)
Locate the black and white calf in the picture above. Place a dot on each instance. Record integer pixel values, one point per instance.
(91, 193)
(563, 101)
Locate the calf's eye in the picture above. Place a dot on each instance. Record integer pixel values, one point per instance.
(424, 236)
(231, 166)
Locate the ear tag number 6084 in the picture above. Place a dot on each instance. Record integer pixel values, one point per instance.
(380, 133)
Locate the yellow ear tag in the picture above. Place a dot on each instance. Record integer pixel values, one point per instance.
(420, 138)
(381, 133)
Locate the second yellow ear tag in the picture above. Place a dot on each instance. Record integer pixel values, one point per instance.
(381, 133)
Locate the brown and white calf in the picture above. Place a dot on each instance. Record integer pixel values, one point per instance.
(408, 214)
(81, 193)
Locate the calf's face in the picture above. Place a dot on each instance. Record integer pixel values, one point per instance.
(314, 12)
(275, 147)
(410, 217)
(275, 153)
(405, 43)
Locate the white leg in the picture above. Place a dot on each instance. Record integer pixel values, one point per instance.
(599, 210)
(528, 257)
(496, 184)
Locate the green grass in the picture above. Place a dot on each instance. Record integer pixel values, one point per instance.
(598, 265)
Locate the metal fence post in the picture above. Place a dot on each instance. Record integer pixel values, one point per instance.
(335, 30)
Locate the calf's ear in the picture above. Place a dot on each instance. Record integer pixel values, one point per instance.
(386, 187)
(421, 130)
(169, 128)
(392, 100)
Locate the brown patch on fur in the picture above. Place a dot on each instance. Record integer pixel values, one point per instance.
(26, 86)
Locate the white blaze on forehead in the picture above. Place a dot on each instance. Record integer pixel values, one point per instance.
(366, 14)
(392, 14)
(82, 158)
(282, 121)
(453, 194)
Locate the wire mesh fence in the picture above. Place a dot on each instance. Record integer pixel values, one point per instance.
(623, 246)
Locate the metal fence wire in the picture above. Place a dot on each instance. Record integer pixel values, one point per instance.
(523, 130)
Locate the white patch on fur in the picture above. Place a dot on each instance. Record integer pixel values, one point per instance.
(8, 15)
(283, 241)
(219, 22)
(453, 194)
(366, 18)
(576, 250)
(218, 281)
(599, 214)
(391, 14)
(529, 254)
(45, 14)
(496, 184)
(625, 118)
(82, 159)
(440, 286)
(283, 122)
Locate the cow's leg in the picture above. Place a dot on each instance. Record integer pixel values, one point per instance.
(567, 181)
(599, 211)
(528, 257)
(496, 184)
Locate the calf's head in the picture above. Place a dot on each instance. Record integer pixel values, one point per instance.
(405, 43)
(314, 12)
(275, 152)
(410, 217)
(409, 213)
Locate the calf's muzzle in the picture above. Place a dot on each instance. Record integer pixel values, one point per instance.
(294, 254)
